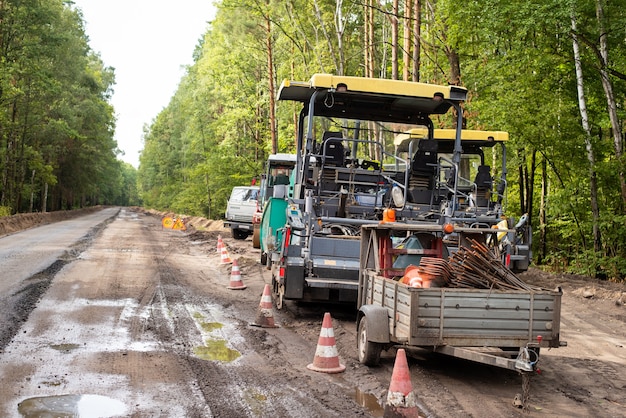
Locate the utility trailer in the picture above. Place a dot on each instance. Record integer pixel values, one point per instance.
(503, 328)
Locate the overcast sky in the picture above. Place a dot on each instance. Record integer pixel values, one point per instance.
(148, 42)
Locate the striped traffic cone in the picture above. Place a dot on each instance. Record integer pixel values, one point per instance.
(235, 278)
(265, 313)
(401, 400)
(326, 358)
(220, 244)
(225, 257)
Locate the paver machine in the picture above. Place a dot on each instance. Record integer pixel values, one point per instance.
(367, 149)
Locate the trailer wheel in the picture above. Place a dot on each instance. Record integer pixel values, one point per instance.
(369, 352)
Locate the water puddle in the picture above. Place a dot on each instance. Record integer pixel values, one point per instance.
(71, 406)
(215, 347)
(216, 350)
(369, 402)
(256, 401)
(64, 347)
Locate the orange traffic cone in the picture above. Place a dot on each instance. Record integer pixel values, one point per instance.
(235, 278)
(220, 244)
(265, 314)
(225, 257)
(326, 358)
(401, 400)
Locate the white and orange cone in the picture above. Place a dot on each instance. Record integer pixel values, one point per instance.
(225, 257)
(326, 358)
(235, 278)
(265, 313)
(220, 244)
(401, 400)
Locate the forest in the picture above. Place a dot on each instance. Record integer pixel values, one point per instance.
(551, 73)
(57, 150)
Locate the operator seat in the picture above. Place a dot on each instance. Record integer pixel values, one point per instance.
(333, 149)
(333, 156)
(423, 171)
(484, 183)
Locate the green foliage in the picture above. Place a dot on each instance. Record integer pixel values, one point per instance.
(56, 137)
(515, 58)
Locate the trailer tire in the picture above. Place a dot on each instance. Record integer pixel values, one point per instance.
(368, 351)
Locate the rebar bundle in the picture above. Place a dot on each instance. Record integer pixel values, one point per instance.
(477, 267)
(437, 267)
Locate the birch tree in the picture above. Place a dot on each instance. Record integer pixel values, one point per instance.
(584, 117)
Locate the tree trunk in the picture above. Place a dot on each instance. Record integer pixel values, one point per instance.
(610, 98)
(530, 186)
(455, 66)
(408, 8)
(417, 23)
(270, 78)
(44, 199)
(369, 38)
(543, 238)
(340, 28)
(322, 27)
(394, 40)
(595, 210)
(522, 178)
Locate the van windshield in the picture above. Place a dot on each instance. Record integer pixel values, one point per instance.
(242, 194)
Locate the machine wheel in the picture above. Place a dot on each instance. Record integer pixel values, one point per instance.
(256, 237)
(369, 352)
(239, 234)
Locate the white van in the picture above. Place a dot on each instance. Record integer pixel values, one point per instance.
(241, 207)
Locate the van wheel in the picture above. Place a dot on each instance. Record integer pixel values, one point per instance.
(369, 352)
(239, 234)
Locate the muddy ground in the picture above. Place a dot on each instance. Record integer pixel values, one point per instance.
(160, 331)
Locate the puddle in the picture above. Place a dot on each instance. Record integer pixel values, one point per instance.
(206, 326)
(369, 402)
(256, 401)
(216, 335)
(71, 406)
(210, 326)
(216, 350)
(64, 347)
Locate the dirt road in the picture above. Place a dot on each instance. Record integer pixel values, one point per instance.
(139, 322)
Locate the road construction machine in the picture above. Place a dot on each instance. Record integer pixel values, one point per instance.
(368, 152)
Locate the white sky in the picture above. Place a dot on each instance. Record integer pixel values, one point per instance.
(147, 42)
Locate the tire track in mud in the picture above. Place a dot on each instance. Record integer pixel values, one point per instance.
(269, 379)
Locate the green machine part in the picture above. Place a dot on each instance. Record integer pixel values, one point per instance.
(272, 223)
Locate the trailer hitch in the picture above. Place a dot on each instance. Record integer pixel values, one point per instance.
(528, 356)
